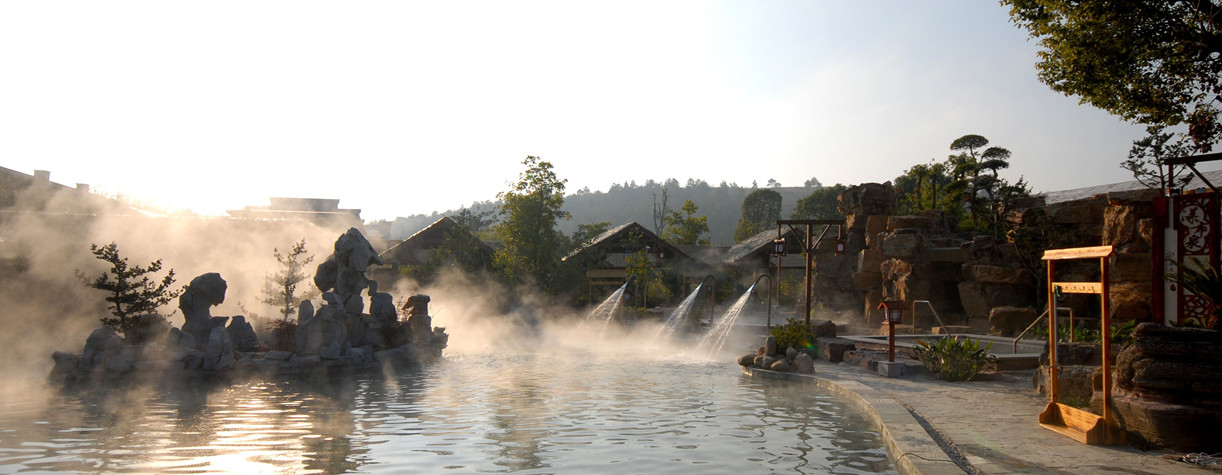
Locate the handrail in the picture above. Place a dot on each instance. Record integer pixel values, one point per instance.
(914, 314)
(1014, 348)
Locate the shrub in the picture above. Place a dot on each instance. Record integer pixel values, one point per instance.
(283, 335)
(952, 359)
(794, 333)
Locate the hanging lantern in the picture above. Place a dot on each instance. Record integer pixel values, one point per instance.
(778, 247)
(840, 246)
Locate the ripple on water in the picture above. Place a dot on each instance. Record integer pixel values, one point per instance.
(469, 413)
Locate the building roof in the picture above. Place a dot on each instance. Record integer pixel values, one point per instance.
(426, 239)
(762, 242)
(1075, 194)
(611, 238)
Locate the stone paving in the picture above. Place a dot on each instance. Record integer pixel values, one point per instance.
(992, 425)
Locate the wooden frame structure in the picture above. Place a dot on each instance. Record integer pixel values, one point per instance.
(1082, 426)
(808, 248)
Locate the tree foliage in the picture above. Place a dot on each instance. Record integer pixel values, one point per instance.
(648, 281)
(1151, 62)
(280, 288)
(967, 189)
(529, 210)
(820, 204)
(1146, 156)
(761, 210)
(130, 290)
(683, 227)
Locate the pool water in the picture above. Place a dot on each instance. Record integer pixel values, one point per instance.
(470, 413)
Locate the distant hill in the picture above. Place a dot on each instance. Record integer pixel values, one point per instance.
(625, 203)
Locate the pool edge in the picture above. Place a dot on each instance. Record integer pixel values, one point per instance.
(909, 445)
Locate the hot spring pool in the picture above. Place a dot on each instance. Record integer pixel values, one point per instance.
(471, 413)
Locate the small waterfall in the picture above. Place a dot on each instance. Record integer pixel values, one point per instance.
(605, 312)
(676, 317)
(716, 337)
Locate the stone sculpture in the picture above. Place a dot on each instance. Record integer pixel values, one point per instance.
(344, 271)
(196, 304)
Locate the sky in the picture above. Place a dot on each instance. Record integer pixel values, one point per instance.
(406, 107)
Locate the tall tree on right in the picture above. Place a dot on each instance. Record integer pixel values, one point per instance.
(761, 210)
(1155, 62)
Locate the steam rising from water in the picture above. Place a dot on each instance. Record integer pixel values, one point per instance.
(46, 307)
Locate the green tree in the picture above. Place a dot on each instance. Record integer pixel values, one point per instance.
(1151, 62)
(648, 281)
(280, 289)
(684, 228)
(1146, 156)
(761, 210)
(822, 203)
(967, 189)
(475, 222)
(529, 211)
(129, 289)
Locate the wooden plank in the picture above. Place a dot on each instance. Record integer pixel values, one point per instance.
(1079, 287)
(1077, 253)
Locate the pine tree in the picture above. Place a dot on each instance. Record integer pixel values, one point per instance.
(129, 289)
(280, 290)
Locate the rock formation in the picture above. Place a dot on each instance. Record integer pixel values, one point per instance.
(337, 335)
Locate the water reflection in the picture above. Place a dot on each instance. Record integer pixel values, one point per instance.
(524, 413)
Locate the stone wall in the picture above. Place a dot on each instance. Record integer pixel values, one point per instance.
(982, 282)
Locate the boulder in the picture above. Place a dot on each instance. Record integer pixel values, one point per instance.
(382, 308)
(102, 341)
(747, 360)
(832, 350)
(803, 363)
(769, 346)
(991, 274)
(864, 281)
(196, 302)
(1010, 321)
(869, 260)
(305, 311)
(218, 353)
(324, 330)
(764, 361)
(902, 246)
(242, 334)
(123, 360)
(277, 355)
(1131, 301)
(779, 365)
(922, 224)
(825, 329)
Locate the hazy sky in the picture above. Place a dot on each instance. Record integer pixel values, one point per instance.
(405, 107)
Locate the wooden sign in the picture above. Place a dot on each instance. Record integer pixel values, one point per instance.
(1079, 287)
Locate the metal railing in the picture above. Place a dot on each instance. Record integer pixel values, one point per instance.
(931, 309)
(1042, 316)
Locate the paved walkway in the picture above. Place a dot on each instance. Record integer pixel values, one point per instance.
(992, 425)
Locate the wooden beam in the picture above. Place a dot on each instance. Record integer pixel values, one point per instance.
(1077, 253)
